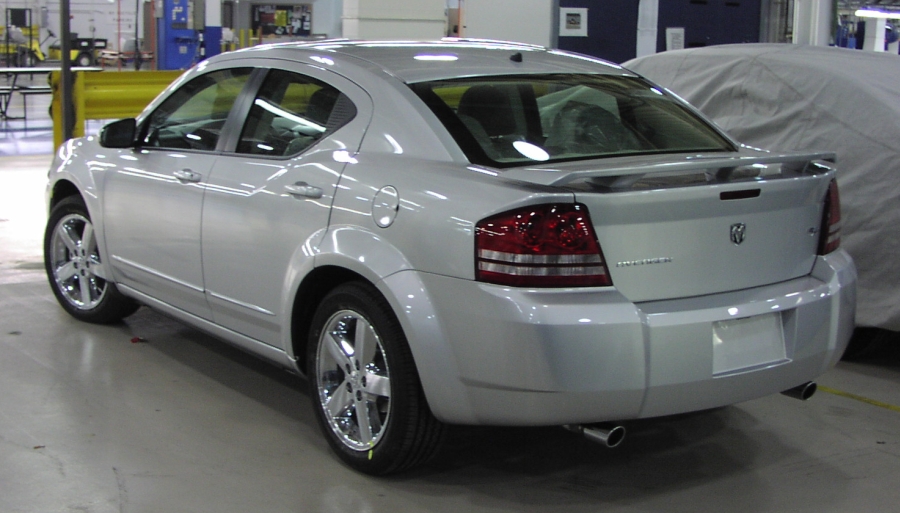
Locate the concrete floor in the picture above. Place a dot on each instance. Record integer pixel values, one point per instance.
(91, 421)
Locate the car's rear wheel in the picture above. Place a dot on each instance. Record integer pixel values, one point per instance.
(365, 387)
(77, 275)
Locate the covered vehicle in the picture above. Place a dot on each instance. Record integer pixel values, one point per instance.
(458, 232)
(793, 97)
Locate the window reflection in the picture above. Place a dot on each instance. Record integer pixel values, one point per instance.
(291, 113)
(193, 116)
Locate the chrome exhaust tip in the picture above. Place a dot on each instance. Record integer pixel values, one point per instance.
(610, 435)
(802, 392)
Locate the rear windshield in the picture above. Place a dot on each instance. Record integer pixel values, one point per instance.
(519, 120)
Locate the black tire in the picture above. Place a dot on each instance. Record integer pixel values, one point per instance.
(84, 60)
(75, 271)
(401, 432)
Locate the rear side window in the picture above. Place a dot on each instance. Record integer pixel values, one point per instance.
(290, 113)
(510, 121)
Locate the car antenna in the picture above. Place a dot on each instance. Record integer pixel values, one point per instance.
(516, 57)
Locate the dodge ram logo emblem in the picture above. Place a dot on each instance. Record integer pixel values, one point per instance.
(737, 233)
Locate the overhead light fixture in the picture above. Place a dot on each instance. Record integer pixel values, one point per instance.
(439, 58)
(872, 13)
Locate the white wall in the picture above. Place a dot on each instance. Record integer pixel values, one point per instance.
(90, 18)
(394, 19)
(326, 17)
(526, 21)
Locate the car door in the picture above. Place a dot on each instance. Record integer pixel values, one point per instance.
(268, 199)
(153, 201)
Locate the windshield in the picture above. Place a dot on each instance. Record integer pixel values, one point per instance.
(518, 120)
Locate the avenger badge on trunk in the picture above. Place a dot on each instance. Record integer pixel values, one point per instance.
(738, 230)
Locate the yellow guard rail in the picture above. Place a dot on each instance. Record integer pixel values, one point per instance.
(107, 95)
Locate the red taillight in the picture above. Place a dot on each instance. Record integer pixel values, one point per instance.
(540, 246)
(830, 238)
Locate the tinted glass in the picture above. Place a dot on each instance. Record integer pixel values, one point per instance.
(193, 116)
(509, 121)
(292, 112)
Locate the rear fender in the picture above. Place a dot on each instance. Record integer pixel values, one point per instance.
(384, 266)
(361, 251)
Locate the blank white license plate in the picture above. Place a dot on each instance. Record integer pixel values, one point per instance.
(745, 343)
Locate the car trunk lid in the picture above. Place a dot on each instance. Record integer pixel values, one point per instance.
(690, 226)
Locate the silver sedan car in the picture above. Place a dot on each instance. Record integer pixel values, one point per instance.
(458, 232)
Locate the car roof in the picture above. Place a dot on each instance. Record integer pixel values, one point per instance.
(419, 61)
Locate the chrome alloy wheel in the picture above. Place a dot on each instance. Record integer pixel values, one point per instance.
(354, 384)
(75, 262)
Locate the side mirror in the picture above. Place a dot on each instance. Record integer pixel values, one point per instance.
(119, 134)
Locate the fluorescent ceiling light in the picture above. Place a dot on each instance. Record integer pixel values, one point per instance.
(872, 13)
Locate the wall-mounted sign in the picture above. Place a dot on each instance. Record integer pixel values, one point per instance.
(573, 22)
(675, 38)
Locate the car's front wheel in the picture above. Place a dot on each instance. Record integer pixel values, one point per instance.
(365, 387)
(77, 275)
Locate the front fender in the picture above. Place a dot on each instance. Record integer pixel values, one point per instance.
(65, 168)
(85, 176)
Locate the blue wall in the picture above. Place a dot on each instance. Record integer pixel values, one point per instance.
(710, 22)
(612, 29)
(612, 25)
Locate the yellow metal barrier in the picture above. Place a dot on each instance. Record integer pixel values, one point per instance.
(107, 95)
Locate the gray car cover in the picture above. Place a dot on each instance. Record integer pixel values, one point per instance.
(795, 97)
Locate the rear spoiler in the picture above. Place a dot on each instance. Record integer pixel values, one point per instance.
(625, 172)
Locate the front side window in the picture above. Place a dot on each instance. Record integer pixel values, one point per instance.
(193, 116)
(520, 120)
(291, 113)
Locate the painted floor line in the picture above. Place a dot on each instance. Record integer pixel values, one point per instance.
(860, 398)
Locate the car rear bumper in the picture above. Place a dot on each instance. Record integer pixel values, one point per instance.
(508, 356)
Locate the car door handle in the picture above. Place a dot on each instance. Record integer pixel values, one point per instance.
(305, 190)
(186, 175)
